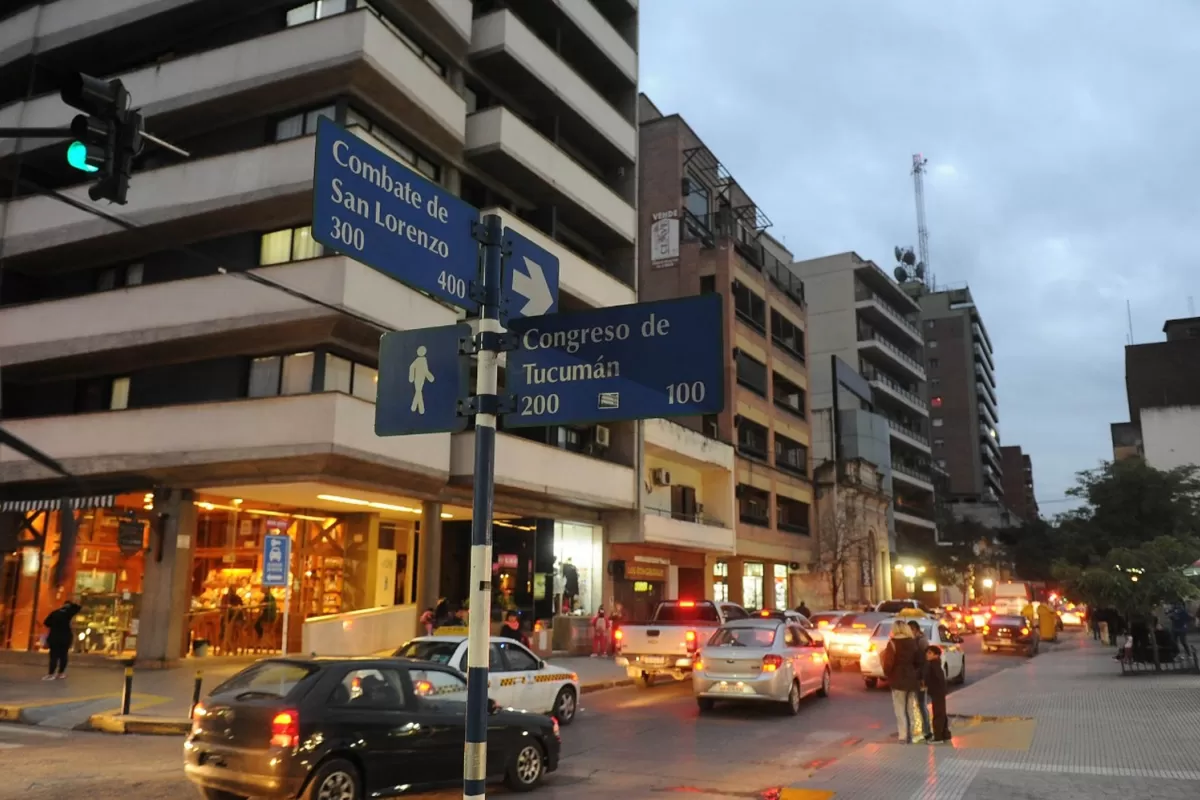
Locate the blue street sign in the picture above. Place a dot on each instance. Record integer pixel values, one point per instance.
(277, 558)
(530, 279)
(662, 359)
(421, 379)
(376, 210)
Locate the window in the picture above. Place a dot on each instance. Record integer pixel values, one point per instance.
(785, 334)
(268, 677)
(933, 363)
(751, 373)
(941, 462)
(275, 375)
(376, 689)
(781, 587)
(752, 438)
(929, 324)
(936, 401)
(754, 506)
(134, 273)
(935, 383)
(752, 587)
(939, 442)
(289, 244)
(683, 503)
(790, 455)
(721, 581)
(708, 284)
(302, 124)
(937, 422)
(438, 685)
(318, 9)
(515, 657)
(697, 200)
(119, 396)
(407, 154)
(791, 515)
(366, 382)
(337, 373)
(750, 307)
(297, 373)
(931, 344)
(264, 376)
(439, 652)
(787, 394)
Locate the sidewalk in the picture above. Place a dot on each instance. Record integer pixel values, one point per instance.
(1066, 725)
(91, 697)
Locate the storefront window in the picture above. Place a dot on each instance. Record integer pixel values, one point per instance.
(752, 585)
(579, 571)
(721, 581)
(781, 587)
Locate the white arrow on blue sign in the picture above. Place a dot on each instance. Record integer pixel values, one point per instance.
(531, 279)
(277, 558)
(377, 210)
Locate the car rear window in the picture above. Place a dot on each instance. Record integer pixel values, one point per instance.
(277, 678)
(743, 637)
(679, 613)
(437, 652)
(855, 622)
(824, 620)
(893, 606)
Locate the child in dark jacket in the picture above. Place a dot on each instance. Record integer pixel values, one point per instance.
(935, 689)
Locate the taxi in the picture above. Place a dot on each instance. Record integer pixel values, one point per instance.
(516, 677)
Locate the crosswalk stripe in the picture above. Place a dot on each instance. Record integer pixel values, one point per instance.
(29, 730)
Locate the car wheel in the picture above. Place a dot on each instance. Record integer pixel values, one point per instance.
(336, 779)
(793, 700)
(565, 706)
(643, 680)
(527, 768)
(826, 682)
(705, 703)
(962, 674)
(871, 682)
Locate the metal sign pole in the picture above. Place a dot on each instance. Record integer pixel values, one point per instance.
(486, 407)
(287, 607)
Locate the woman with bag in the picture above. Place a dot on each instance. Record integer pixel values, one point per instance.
(902, 661)
(58, 639)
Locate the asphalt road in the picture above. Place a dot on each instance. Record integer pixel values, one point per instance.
(626, 742)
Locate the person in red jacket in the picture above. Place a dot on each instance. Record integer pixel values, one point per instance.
(600, 634)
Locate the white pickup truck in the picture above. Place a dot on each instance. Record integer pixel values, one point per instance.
(670, 643)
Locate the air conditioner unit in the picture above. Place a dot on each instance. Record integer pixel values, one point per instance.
(602, 435)
(660, 477)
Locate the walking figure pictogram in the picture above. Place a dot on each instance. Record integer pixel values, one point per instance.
(418, 373)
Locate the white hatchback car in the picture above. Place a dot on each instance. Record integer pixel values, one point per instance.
(954, 660)
(516, 677)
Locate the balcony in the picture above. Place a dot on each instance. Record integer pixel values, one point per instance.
(906, 518)
(513, 152)
(877, 347)
(252, 438)
(693, 531)
(217, 305)
(982, 356)
(882, 315)
(532, 468)
(506, 50)
(909, 436)
(984, 390)
(980, 335)
(672, 440)
(882, 383)
(600, 37)
(990, 443)
(913, 476)
(988, 414)
(276, 72)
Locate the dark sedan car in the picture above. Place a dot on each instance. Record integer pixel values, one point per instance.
(1009, 632)
(352, 728)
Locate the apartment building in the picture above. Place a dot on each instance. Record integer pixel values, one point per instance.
(1019, 495)
(857, 314)
(1163, 392)
(701, 232)
(964, 420)
(206, 410)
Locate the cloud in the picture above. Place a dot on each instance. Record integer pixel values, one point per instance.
(1062, 161)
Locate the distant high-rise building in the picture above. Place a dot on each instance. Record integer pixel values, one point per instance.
(1019, 495)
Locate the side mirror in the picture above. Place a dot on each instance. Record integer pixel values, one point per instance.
(493, 706)
(541, 664)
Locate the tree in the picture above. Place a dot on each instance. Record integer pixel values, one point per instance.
(841, 536)
(961, 545)
(1033, 548)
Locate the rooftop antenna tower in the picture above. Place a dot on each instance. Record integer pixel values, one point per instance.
(918, 172)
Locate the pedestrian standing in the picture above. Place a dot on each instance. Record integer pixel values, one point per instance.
(922, 704)
(802, 609)
(58, 639)
(935, 687)
(902, 663)
(1180, 619)
(600, 634)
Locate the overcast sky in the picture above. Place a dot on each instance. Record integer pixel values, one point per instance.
(1063, 141)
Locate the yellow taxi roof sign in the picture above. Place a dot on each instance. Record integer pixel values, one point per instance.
(911, 612)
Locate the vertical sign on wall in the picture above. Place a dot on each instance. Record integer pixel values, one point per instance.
(664, 239)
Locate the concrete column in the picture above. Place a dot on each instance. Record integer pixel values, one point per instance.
(410, 577)
(166, 588)
(429, 570)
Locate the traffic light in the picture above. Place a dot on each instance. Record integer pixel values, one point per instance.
(108, 134)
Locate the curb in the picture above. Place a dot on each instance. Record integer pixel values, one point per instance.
(14, 714)
(600, 686)
(141, 726)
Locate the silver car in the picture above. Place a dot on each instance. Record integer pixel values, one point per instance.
(760, 660)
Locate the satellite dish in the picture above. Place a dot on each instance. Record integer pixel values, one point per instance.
(899, 253)
(909, 257)
(920, 271)
(901, 275)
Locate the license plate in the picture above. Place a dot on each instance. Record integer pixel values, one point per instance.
(654, 659)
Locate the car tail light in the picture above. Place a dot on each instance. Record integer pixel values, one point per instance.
(772, 662)
(765, 613)
(987, 628)
(618, 638)
(285, 729)
(698, 665)
(687, 603)
(690, 636)
(1024, 631)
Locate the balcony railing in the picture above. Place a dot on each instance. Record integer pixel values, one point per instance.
(754, 518)
(872, 374)
(862, 293)
(912, 471)
(907, 431)
(868, 335)
(792, 527)
(698, 517)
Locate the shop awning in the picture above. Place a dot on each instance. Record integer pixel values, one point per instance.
(87, 501)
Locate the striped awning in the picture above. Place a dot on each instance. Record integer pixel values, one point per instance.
(89, 501)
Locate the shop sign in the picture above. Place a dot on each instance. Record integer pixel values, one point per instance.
(130, 536)
(664, 239)
(277, 557)
(508, 560)
(645, 572)
(277, 526)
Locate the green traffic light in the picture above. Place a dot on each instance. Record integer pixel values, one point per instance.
(77, 157)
